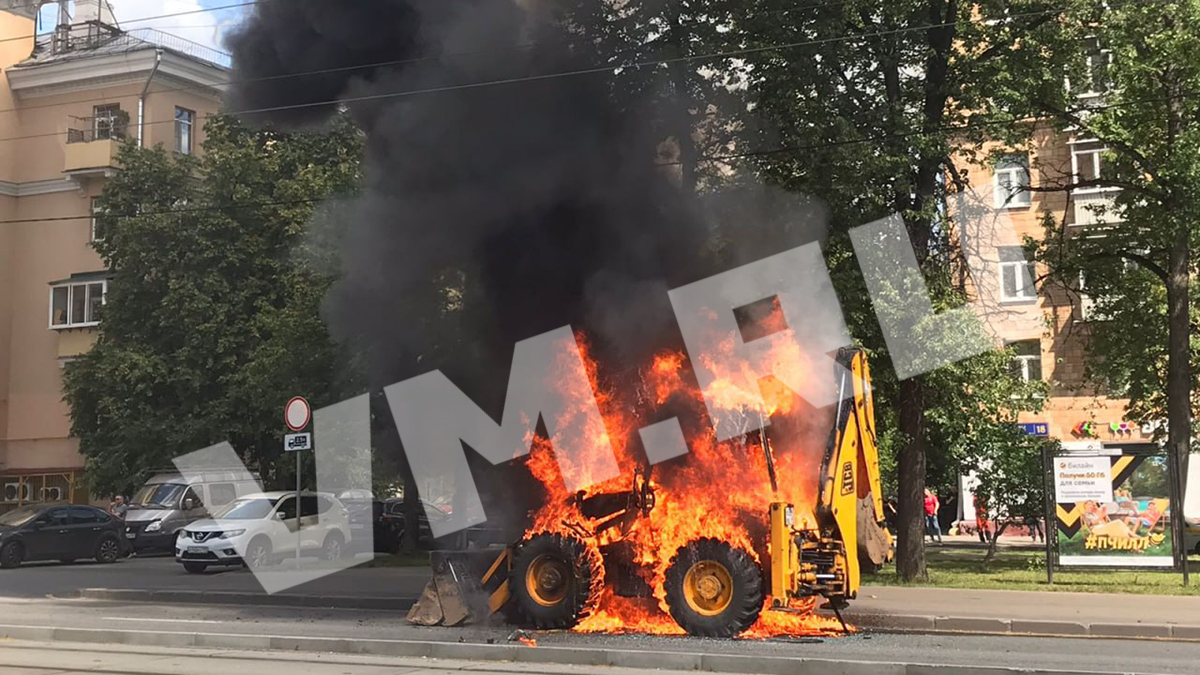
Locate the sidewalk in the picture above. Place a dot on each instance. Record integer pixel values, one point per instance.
(1008, 541)
(926, 609)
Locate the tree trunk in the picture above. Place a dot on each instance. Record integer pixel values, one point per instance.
(412, 509)
(910, 540)
(991, 549)
(1179, 373)
(680, 111)
(910, 482)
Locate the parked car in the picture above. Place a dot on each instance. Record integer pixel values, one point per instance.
(366, 518)
(393, 522)
(63, 532)
(259, 529)
(393, 531)
(168, 502)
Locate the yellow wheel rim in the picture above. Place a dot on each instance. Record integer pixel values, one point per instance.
(708, 588)
(546, 580)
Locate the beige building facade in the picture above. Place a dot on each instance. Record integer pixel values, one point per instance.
(68, 100)
(1077, 411)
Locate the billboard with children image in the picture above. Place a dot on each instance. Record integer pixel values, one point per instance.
(1113, 510)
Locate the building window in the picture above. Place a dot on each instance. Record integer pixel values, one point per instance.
(1086, 164)
(95, 220)
(1096, 71)
(184, 123)
(108, 122)
(76, 305)
(1016, 275)
(1093, 80)
(1012, 181)
(1087, 303)
(1027, 360)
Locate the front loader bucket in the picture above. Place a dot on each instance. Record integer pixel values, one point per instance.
(466, 585)
(874, 541)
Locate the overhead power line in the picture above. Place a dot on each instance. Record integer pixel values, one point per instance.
(166, 212)
(367, 66)
(952, 128)
(607, 68)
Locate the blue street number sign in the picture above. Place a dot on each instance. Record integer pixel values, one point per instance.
(1035, 428)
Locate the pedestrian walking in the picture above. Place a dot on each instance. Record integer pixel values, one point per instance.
(118, 507)
(891, 514)
(981, 520)
(932, 528)
(1036, 533)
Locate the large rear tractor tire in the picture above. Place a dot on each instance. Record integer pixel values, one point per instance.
(555, 580)
(714, 589)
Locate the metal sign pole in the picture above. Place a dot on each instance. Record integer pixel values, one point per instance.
(1051, 520)
(1178, 528)
(297, 414)
(297, 509)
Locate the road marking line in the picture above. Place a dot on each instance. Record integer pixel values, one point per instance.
(151, 620)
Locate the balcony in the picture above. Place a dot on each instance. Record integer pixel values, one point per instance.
(1092, 208)
(92, 145)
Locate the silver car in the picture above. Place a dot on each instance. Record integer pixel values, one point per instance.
(168, 502)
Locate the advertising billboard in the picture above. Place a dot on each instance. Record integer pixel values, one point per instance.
(1113, 510)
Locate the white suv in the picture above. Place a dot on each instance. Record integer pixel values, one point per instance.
(260, 528)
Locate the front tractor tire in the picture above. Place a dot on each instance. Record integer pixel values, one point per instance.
(555, 580)
(714, 589)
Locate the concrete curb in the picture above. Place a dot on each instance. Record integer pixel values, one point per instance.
(897, 623)
(913, 623)
(559, 655)
(251, 599)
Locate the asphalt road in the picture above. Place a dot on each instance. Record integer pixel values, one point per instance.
(34, 658)
(1074, 655)
(162, 573)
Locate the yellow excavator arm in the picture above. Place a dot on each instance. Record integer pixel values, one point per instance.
(851, 501)
(850, 533)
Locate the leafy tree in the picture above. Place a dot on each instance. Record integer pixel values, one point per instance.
(865, 105)
(667, 76)
(1012, 483)
(1138, 263)
(212, 315)
(1150, 479)
(860, 104)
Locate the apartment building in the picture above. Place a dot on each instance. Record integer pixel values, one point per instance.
(68, 99)
(1077, 412)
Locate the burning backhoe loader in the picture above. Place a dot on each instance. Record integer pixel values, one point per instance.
(715, 583)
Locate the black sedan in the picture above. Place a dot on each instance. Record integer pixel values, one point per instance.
(392, 521)
(64, 532)
(392, 524)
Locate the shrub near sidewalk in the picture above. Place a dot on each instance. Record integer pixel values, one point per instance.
(1025, 570)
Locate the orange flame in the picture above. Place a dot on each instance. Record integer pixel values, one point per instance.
(720, 489)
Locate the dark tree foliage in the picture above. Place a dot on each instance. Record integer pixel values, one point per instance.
(212, 316)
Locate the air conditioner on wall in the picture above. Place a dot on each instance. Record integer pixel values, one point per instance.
(52, 494)
(16, 491)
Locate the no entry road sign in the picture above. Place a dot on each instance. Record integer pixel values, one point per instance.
(297, 413)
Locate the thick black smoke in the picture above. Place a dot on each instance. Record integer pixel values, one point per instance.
(492, 212)
(503, 197)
